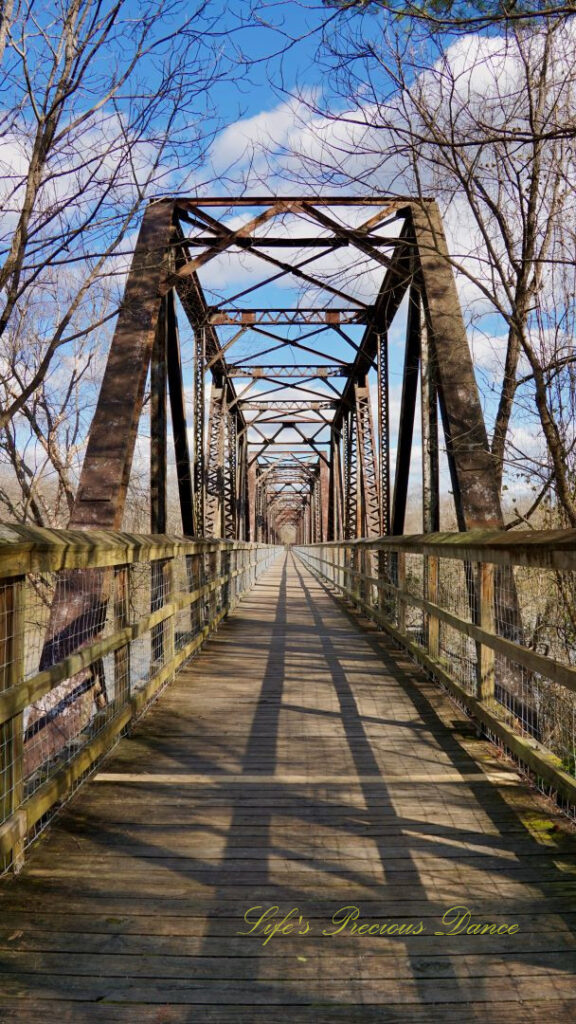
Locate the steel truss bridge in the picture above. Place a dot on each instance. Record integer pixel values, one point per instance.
(288, 447)
(326, 815)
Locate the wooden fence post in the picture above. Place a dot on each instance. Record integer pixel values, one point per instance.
(121, 621)
(169, 623)
(12, 607)
(432, 593)
(485, 658)
(401, 584)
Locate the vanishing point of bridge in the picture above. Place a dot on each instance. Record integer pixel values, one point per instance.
(348, 804)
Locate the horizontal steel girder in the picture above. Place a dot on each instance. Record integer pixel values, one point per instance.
(248, 406)
(292, 317)
(289, 371)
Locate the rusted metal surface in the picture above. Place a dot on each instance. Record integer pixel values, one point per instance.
(407, 413)
(383, 385)
(430, 454)
(294, 317)
(198, 412)
(214, 498)
(370, 499)
(106, 470)
(179, 419)
(159, 426)
(471, 466)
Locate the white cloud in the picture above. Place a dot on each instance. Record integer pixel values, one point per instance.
(248, 143)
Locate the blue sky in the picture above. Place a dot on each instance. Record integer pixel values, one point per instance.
(271, 120)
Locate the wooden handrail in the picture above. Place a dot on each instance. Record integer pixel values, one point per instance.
(30, 792)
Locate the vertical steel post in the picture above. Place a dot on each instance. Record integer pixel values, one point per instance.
(351, 523)
(369, 505)
(158, 426)
(383, 432)
(178, 413)
(407, 413)
(199, 473)
(430, 482)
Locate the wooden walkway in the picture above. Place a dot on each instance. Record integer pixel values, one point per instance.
(297, 767)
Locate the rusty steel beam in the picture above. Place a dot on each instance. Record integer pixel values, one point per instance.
(324, 486)
(199, 459)
(159, 426)
(178, 413)
(297, 242)
(352, 519)
(306, 317)
(430, 450)
(370, 499)
(106, 470)
(243, 527)
(231, 479)
(261, 242)
(286, 444)
(471, 464)
(397, 203)
(214, 464)
(295, 417)
(383, 432)
(249, 405)
(472, 469)
(235, 370)
(407, 414)
(334, 524)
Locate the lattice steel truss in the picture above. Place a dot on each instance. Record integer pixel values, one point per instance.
(302, 379)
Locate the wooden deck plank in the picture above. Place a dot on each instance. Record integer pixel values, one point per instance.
(298, 762)
(65, 1012)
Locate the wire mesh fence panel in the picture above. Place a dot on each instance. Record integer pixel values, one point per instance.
(39, 588)
(65, 613)
(388, 580)
(458, 653)
(457, 594)
(456, 588)
(414, 585)
(547, 601)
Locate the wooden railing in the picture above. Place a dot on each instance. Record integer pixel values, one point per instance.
(140, 606)
(491, 616)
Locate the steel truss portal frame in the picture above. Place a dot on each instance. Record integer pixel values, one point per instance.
(263, 411)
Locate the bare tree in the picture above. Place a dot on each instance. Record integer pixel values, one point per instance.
(486, 125)
(460, 15)
(41, 446)
(101, 108)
